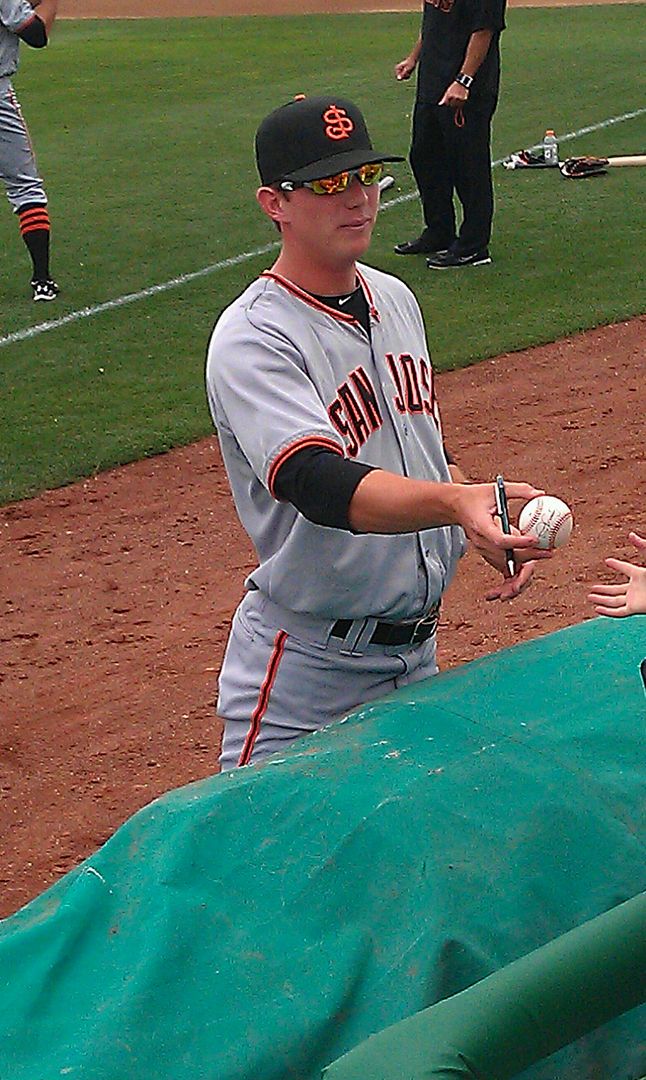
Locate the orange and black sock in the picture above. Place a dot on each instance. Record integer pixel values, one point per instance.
(35, 229)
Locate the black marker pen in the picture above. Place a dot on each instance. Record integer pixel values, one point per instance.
(503, 513)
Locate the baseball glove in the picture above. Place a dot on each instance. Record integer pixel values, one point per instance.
(575, 168)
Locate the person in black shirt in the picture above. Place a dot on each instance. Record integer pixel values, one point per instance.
(458, 59)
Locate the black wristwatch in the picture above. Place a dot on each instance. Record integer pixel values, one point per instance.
(464, 80)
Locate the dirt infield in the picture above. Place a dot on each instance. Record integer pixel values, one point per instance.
(144, 9)
(115, 615)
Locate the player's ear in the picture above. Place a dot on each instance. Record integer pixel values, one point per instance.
(272, 202)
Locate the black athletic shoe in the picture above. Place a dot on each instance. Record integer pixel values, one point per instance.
(447, 260)
(44, 290)
(419, 246)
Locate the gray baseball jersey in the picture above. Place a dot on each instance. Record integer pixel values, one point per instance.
(14, 15)
(286, 372)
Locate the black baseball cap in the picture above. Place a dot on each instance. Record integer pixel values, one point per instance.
(313, 137)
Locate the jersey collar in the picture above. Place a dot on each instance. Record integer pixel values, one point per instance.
(307, 298)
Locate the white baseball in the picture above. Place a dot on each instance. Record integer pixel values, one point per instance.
(548, 519)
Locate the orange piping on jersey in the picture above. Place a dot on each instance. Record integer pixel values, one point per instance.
(293, 448)
(368, 295)
(28, 21)
(263, 697)
(311, 300)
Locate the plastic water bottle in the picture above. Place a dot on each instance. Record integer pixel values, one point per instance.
(550, 148)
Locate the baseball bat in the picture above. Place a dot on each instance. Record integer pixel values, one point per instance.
(631, 159)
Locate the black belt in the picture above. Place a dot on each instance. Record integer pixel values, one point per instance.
(386, 633)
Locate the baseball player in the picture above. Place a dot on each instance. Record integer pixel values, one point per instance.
(19, 21)
(321, 388)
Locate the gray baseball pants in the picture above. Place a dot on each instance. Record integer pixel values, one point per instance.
(284, 676)
(18, 170)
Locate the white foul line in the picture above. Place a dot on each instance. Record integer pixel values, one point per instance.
(152, 290)
(130, 298)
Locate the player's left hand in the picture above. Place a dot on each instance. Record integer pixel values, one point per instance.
(478, 515)
(510, 587)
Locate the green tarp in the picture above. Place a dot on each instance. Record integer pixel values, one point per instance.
(257, 925)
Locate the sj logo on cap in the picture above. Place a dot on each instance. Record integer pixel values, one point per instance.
(338, 124)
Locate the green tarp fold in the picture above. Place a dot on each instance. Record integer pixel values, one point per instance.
(260, 924)
(519, 1015)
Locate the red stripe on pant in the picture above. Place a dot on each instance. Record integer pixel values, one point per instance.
(16, 104)
(263, 698)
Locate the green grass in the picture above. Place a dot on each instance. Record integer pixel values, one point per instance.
(145, 141)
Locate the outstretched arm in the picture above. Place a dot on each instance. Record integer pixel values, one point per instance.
(387, 503)
(330, 490)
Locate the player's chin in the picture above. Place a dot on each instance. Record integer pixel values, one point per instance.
(357, 239)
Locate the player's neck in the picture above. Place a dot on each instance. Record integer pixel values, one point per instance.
(317, 279)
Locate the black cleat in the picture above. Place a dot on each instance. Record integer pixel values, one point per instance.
(44, 290)
(448, 260)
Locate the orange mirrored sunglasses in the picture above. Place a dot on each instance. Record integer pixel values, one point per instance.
(332, 185)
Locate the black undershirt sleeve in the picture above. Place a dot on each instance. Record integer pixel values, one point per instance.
(320, 484)
(34, 33)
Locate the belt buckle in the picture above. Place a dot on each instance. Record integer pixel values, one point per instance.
(429, 620)
(415, 637)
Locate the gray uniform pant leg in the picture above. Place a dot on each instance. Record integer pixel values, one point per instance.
(277, 686)
(18, 170)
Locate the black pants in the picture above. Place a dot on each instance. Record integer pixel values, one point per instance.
(445, 158)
